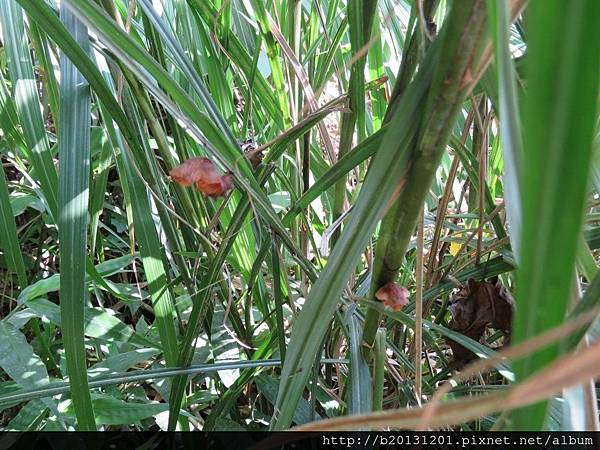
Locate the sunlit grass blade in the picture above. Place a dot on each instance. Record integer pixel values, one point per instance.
(42, 48)
(242, 56)
(185, 66)
(8, 115)
(275, 61)
(510, 129)
(27, 101)
(360, 20)
(17, 395)
(150, 251)
(74, 156)
(308, 329)
(221, 147)
(360, 153)
(377, 70)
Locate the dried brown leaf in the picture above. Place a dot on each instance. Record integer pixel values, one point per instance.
(202, 172)
(393, 296)
(477, 306)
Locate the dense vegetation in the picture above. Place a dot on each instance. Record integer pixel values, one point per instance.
(249, 214)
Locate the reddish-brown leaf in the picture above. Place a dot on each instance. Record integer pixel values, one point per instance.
(216, 187)
(477, 306)
(393, 296)
(202, 172)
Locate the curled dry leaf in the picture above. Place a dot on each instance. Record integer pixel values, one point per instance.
(477, 306)
(393, 296)
(202, 172)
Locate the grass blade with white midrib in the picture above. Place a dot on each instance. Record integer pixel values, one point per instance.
(559, 119)
(509, 120)
(74, 156)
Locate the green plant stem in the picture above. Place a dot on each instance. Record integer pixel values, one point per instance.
(361, 23)
(463, 41)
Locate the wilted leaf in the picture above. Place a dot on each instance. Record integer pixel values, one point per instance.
(393, 296)
(202, 172)
(477, 306)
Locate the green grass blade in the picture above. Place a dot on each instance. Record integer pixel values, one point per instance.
(360, 19)
(590, 299)
(9, 240)
(184, 64)
(49, 82)
(344, 165)
(14, 395)
(98, 190)
(150, 249)
(112, 411)
(221, 147)
(74, 156)
(377, 70)
(52, 284)
(206, 11)
(96, 323)
(361, 387)
(8, 115)
(308, 329)
(559, 119)
(275, 61)
(21, 363)
(26, 100)
(509, 119)
(278, 296)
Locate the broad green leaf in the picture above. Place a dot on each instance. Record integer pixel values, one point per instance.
(268, 387)
(20, 362)
(28, 417)
(111, 411)
(121, 362)
(52, 284)
(18, 359)
(97, 323)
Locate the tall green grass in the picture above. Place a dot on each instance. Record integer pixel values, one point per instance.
(139, 302)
